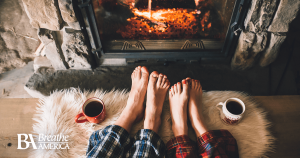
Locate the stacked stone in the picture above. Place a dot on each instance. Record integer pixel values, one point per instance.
(266, 26)
(51, 14)
(18, 40)
(59, 32)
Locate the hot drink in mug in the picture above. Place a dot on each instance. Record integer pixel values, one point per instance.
(93, 110)
(231, 111)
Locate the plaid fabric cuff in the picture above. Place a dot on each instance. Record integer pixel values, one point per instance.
(109, 142)
(149, 135)
(179, 140)
(147, 144)
(181, 146)
(213, 134)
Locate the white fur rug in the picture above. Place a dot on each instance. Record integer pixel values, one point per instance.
(55, 114)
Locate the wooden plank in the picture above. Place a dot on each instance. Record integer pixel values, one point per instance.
(16, 118)
(283, 111)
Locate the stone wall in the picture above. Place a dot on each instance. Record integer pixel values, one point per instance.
(51, 14)
(266, 27)
(32, 29)
(18, 40)
(64, 46)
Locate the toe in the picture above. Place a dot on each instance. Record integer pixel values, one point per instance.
(189, 80)
(133, 75)
(138, 72)
(193, 85)
(166, 84)
(153, 77)
(185, 86)
(170, 94)
(172, 91)
(197, 84)
(164, 79)
(175, 88)
(145, 73)
(179, 87)
(159, 80)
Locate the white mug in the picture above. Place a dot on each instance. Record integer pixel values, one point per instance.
(232, 110)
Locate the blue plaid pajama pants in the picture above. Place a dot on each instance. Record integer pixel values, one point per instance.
(114, 141)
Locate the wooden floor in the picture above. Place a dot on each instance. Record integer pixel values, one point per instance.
(284, 112)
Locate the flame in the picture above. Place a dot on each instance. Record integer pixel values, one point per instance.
(156, 15)
(164, 24)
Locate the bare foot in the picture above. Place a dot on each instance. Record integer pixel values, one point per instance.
(195, 107)
(134, 109)
(178, 98)
(156, 94)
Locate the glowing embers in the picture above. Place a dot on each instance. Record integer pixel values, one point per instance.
(165, 24)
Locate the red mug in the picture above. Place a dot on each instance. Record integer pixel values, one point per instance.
(93, 110)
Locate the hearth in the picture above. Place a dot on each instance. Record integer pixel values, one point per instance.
(168, 30)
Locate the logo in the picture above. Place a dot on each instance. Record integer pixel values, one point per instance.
(58, 141)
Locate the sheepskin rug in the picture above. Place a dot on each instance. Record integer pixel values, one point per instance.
(55, 115)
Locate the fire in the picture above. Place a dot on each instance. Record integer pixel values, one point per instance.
(203, 21)
(161, 24)
(158, 15)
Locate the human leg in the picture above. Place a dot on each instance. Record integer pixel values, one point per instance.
(114, 140)
(178, 98)
(216, 143)
(147, 142)
(195, 107)
(134, 109)
(156, 94)
(181, 145)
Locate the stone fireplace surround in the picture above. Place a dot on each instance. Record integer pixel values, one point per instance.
(64, 46)
(265, 30)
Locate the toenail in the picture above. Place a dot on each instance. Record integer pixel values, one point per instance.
(184, 82)
(154, 75)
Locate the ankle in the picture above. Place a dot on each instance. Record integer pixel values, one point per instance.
(125, 122)
(152, 124)
(179, 130)
(199, 126)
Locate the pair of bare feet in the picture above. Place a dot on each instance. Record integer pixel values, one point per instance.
(185, 96)
(186, 102)
(156, 85)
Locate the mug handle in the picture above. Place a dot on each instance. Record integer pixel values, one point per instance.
(78, 116)
(218, 106)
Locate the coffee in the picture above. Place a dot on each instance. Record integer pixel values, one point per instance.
(234, 107)
(93, 108)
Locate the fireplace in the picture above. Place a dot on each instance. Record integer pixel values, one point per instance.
(168, 30)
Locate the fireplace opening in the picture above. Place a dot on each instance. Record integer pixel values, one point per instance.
(161, 29)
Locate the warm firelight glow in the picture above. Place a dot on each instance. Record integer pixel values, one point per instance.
(156, 15)
(164, 24)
